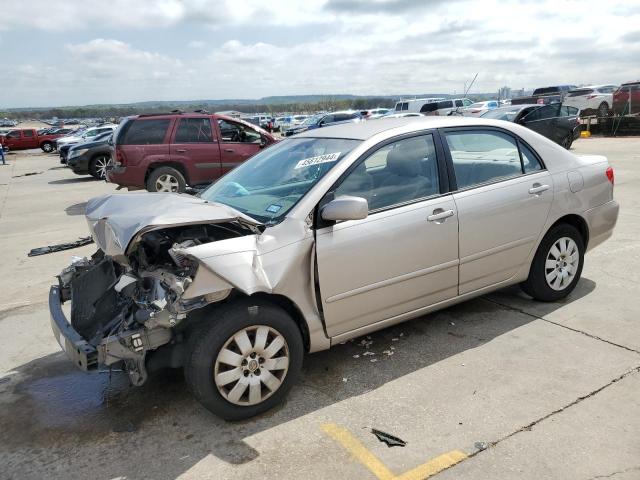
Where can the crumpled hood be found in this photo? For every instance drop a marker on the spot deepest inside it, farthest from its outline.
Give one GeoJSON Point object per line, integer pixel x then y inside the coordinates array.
{"type": "Point", "coordinates": [115, 220]}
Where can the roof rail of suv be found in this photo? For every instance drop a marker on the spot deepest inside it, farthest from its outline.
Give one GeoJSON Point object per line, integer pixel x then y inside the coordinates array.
{"type": "Point", "coordinates": [172, 112]}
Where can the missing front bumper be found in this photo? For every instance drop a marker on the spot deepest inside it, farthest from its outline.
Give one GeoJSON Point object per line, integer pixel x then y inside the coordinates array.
{"type": "Point", "coordinates": [82, 354]}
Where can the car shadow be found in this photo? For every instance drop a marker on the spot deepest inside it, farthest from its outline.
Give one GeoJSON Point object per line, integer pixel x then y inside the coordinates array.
{"type": "Point", "coordinates": [64, 181]}
{"type": "Point", "coordinates": [47, 406]}
{"type": "Point", "coordinates": [76, 209]}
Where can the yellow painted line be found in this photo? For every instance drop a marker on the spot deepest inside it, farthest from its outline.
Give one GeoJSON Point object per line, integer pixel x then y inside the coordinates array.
{"type": "Point", "coordinates": [379, 469]}
{"type": "Point", "coordinates": [359, 451]}
{"type": "Point", "coordinates": [434, 466]}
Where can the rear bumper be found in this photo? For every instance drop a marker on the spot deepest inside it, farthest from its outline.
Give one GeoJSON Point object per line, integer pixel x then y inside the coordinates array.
{"type": "Point", "coordinates": [83, 355]}
{"type": "Point", "coordinates": [127, 176]}
{"type": "Point", "coordinates": [601, 221]}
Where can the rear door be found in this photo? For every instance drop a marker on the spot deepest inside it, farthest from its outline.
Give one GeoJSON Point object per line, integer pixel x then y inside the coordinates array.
{"type": "Point", "coordinates": [194, 146]}
{"type": "Point", "coordinates": [238, 142]}
{"type": "Point", "coordinates": [29, 139]}
{"type": "Point", "coordinates": [503, 198]}
{"type": "Point", "coordinates": [545, 121]}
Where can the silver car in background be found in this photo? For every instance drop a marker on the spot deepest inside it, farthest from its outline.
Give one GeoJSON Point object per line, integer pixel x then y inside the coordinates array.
{"type": "Point", "coordinates": [323, 237]}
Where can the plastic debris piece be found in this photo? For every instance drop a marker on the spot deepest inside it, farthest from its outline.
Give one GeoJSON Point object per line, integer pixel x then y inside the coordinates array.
{"type": "Point", "coordinates": [344, 379]}
{"type": "Point", "coordinates": [368, 353]}
{"type": "Point", "coordinates": [59, 247]}
{"type": "Point", "coordinates": [451, 323]}
{"type": "Point", "coordinates": [394, 339]}
{"type": "Point", "coordinates": [481, 445]}
{"type": "Point", "coordinates": [356, 356]}
{"type": "Point", "coordinates": [401, 335]}
{"type": "Point", "coordinates": [388, 439]}
{"type": "Point", "coordinates": [373, 360]}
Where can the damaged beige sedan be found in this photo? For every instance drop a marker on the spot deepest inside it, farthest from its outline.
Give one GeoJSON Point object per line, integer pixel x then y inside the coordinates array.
{"type": "Point", "coordinates": [323, 237]}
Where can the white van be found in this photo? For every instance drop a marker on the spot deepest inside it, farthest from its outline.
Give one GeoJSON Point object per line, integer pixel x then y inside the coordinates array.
{"type": "Point", "coordinates": [414, 105]}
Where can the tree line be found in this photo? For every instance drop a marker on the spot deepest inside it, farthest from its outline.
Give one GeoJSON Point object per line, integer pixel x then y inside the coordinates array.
{"type": "Point", "coordinates": [111, 111]}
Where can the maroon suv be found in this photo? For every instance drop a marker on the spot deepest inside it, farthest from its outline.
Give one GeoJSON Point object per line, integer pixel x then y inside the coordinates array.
{"type": "Point", "coordinates": [165, 153]}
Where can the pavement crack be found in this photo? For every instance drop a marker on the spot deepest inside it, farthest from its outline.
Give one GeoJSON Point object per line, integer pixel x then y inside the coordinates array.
{"type": "Point", "coordinates": [578, 400]}
{"type": "Point", "coordinates": [626, 470]}
{"type": "Point", "coordinates": [595, 337]}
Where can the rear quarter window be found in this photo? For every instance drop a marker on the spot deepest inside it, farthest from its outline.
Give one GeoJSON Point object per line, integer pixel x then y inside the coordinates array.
{"type": "Point", "coordinates": [144, 132]}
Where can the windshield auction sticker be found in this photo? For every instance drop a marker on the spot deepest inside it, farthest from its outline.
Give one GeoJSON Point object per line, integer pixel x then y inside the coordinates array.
{"type": "Point", "coordinates": [308, 162]}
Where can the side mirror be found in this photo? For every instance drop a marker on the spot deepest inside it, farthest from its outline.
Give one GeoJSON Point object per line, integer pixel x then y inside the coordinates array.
{"type": "Point", "coordinates": [345, 208]}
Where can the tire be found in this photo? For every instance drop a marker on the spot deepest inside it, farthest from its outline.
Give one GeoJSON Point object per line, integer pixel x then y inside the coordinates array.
{"type": "Point", "coordinates": [166, 179]}
{"type": "Point", "coordinates": [212, 338]}
{"type": "Point", "coordinates": [567, 141]}
{"type": "Point", "coordinates": [542, 284]}
{"type": "Point", "coordinates": [98, 167]}
{"type": "Point", "coordinates": [47, 147]}
{"type": "Point", "coordinates": [603, 110]}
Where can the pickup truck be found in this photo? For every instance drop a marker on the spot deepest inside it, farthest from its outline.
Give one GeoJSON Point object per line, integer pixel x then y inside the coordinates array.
{"type": "Point", "coordinates": [545, 95]}
{"type": "Point", "coordinates": [28, 138]}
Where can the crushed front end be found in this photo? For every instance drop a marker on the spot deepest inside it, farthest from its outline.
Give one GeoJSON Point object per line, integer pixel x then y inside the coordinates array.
{"type": "Point", "coordinates": [130, 303]}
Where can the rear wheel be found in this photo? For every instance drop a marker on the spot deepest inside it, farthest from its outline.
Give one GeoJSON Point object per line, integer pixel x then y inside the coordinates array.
{"type": "Point", "coordinates": [244, 361]}
{"type": "Point", "coordinates": [166, 179]}
{"type": "Point", "coordinates": [557, 264]}
{"type": "Point", "coordinates": [47, 147]}
{"type": "Point", "coordinates": [567, 141]}
{"type": "Point", "coordinates": [98, 167]}
{"type": "Point", "coordinates": [603, 110]}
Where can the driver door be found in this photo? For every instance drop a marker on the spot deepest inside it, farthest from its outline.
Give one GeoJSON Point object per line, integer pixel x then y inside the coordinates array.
{"type": "Point", "coordinates": [404, 255]}
{"type": "Point", "coordinates": [238, 142]}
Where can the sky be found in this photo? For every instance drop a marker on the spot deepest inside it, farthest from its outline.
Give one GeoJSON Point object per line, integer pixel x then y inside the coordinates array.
{"type": "Point", "coordinates": [119, 51]}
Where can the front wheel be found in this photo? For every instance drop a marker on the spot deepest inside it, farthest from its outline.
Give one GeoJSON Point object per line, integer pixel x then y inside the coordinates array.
{"type": "Point", "coordinates": [557, 264]}
{"type": "Point", "coordinates": [603, 110]}
{"type": "Point", "coordinates": [47, 147]}
{"type": "Point", "coordinates": [567, 141]}
{"type": "Point", "coordinates": [98, 167]}
{"type": "Point", "coordinates": [245, 360]}
{"type": "Point", "coordinates": [166, 179]}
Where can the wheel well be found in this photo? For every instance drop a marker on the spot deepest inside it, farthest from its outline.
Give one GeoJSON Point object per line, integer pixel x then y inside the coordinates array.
{"type": "Point", "coordinates": [45, 141]}
{"type": "Point", "coordinates": [579, 223]}
{"type": "Point", "coordinates": [177, 166]}
{"type": "Point", "coordinates": [292, 309]}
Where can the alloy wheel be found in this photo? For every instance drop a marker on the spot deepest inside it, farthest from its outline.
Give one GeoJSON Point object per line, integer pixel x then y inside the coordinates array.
{"type": "Point", "coordinates": [251, 365]}
{"type": "Point", "coordinates": [167, 183]}
{"type": "Point", "coordinates": [101, 167]}
{"type": "Point", "coordinates": [562, 263]}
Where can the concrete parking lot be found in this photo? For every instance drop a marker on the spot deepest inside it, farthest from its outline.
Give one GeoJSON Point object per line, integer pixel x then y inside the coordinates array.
{"type": "Point", "coordinates": [500, 387]}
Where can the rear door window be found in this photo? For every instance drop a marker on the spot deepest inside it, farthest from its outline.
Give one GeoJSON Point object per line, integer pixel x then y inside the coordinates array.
{"type": "Point", "coordinates": [194, 130]}
{"type": "Point", "coordinates": [146, 132]}
{"type": "Point", "coordinates": [483, 157]}
{"type": "Point", "coordinates": [458, 103]}
{"type": "Point", "coordinates": [445, 104]}
{"type": "Point", "coordinates": [544, 113]}
{"type": "Point", "coordinates": [27, 133]}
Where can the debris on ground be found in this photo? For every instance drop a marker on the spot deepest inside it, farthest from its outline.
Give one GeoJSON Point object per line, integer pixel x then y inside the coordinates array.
{"type": "Point", "coordinates": [395, 339]}
{"type": "Point", "coordinates": [373, 360]}
{"type": "Point", "coordinates": [368, 353]}
{"type": "Point", "coordinates": [388, 352]}
{"type": "Point", "coordinates": [28, 174]}
{"type": "Point", "coordinates": [390, 440]}
{"type": "Point", "coordinates": [81, 242]}
{"type": "Point", "coordinates": [481, 445]}
{"type": "Point", "coordinates": [344, 379]}
{"type": "Point", "coordinates": [356, 356]}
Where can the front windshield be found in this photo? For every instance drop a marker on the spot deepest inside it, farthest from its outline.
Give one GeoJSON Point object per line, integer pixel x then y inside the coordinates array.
{"type": "Point", "coordinates": [268, 185]}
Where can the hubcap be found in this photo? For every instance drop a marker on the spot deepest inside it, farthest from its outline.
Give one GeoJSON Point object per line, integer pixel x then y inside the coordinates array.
{"type": "Point", "coordinates": [47, 147]}
{"type": "Point", "coordinates": [167, 183]}
{"type": "Point", "coordinates": [562, 263]}
{"type": "Point", "coordinates": [251, 365]}
{"type": "Point", "coordinates": [101, 166]}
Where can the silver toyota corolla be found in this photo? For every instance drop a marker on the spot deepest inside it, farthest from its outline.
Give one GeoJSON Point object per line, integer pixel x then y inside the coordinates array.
{"type": "Point", "coordinates": [323, 237]}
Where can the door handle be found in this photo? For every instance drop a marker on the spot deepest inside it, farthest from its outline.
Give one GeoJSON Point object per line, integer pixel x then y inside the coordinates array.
{"type": "Point", "coordinates": [440, 214]}
{"type": "Point", "coordinates": [181, 150]}
{"type": "Point", "coordinates": [229, 150]}
{"type": "Point", "coordinates": [537, 189]}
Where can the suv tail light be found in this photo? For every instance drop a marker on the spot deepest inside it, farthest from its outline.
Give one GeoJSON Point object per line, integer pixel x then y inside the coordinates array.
{"type": "Point", "coordinates": [120, 160]}
{"type": "Point", "coordinates": [610, 175]}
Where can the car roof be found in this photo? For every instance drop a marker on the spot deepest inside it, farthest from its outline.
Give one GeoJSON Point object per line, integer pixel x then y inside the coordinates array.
{"type": "Point", "coordinates": [367, 129]}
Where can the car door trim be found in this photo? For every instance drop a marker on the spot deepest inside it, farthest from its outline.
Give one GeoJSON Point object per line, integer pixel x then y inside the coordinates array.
{"type": "Point", "coordinates": [393, 280]}
{"type": "Point", "coordinates": [498, 249]}
{"type": "Point", "coordinates": [207, 165]}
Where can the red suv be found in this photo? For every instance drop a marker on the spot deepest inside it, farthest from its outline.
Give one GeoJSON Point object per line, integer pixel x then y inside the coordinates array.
{"type": "Point", "coordinates": [167, 152]}
{"type": "Point", "coordinates": [626, 99]}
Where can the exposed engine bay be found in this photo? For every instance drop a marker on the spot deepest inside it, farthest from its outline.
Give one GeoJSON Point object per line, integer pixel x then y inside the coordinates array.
{"type": "Point", "coordinates": [129, 307]}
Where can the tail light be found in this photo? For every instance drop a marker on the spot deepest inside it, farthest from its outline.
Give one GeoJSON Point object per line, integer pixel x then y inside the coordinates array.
{"type": "Point", "coordinates": [120, 160]}
{"type": "Point", "coordinates": [610, 175]}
